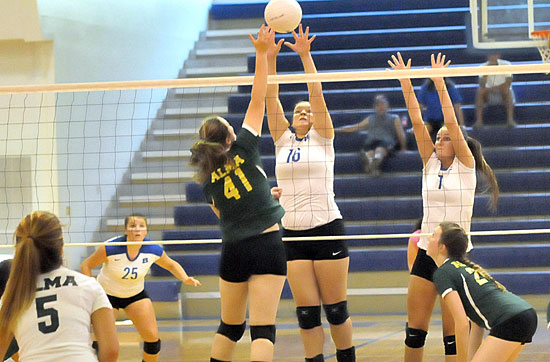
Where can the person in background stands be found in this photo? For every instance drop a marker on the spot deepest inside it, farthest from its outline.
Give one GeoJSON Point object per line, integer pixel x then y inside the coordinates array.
{"type": "Point", "coordinates": [495, 88]}
{"type": "Point", "coordinates": [385, 135]}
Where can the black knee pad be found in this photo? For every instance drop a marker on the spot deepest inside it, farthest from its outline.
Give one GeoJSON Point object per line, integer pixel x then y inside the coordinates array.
{"type": "Point", "coordinates": [232, 331]}
{"type": "Point", "coordinates": [318, 358]}
{"type": "Point", "coordinates": [415, 338]}
{"type": "Point", "coordinates": [267, 332]}
{"type": "Point", "coordinates": [336, 313]}
{"type": "Point", "coordinates": [450, 345]}
{"type": "Point", "coordinates": [309, 317]}
{"type": "Point", "coordinates": [217, 360]}
{"type": "Point", "coordinates": [151, 347]}
{"type": "Point", "coordinates": [346, 355]}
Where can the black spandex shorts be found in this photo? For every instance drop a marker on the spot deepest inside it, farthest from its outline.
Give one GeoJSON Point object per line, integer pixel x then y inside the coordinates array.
{"type": "Point", "coordinates": [258, 254]}
{"type": "Point", "coordinates": [317, 250]}
{"type": "Point", "coordinates": [424, 266]}
{"type": "Point", "coordinates": [519, 328]}
{"type": "Point", "coordinates": [121, 303]}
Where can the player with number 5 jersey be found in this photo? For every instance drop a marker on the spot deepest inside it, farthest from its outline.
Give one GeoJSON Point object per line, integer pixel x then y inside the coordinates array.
{"type": "Point", "coordinates": [48, 308]}
{"type": "Point", "coordinates": [123, 278]}
{"type": "Point", "coordinates": [252, 264]}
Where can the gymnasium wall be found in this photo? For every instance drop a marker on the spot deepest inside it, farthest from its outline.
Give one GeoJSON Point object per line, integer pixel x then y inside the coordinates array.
{"type": "Point", "coordinates": [90, 41]}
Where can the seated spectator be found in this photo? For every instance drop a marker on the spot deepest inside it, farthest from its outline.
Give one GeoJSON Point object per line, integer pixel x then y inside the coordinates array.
{"type": "Point", "coordinates": [385, 132]}
{"type": "Point", "coordinates": [431, 106]}
{"type": "Point", "coordinates": [495, 89]}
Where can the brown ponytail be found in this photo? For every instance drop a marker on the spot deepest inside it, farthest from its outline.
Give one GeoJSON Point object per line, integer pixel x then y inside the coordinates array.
{"type": "Point", "coordinates": [456, 241]}
{"type": "Point", "coordinates": [38, 249]}
{"type": "Point", "coordinates": [210, 152]}
{"type": "Point", "coordinates": [486, 170]}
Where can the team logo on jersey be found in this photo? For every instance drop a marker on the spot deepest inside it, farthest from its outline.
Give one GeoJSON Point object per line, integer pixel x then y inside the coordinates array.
{"type": "Point", "coordinates": [145, 260]}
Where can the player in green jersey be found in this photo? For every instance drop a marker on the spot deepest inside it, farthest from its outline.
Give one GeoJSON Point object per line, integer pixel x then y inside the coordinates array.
{"type": "Point", "coordinates": [253, 262]}
{"type": "Point", "coordinates": [473, 295]}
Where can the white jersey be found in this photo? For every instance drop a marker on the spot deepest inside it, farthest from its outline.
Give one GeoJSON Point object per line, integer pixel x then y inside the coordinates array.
{"type": "Point", "coordinates": [122, 277]}
{"type": "Point", "coordinates": [305, 171]}
{"type": "Point", "coordinates": [497, 79]}
{"type": "Point", "coordinates": [447, 195]}
{"type": "Point", "coordinates": [56, 327]}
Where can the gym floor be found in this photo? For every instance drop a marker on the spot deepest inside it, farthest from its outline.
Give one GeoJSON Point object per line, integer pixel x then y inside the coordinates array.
{"type": "Point", "coordinates": [377, 338]}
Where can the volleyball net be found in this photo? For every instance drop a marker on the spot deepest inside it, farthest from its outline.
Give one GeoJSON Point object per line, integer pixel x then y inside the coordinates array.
{"type": "Point", "coordinates": [94, 153]}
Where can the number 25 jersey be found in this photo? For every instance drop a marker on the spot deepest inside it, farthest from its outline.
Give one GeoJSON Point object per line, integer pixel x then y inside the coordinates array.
{"type": "Point", "coordinates": [123, 277]}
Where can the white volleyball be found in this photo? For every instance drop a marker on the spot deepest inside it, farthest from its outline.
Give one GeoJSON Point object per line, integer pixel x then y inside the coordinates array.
{"type": "Point", "coordinates": [283, 16]}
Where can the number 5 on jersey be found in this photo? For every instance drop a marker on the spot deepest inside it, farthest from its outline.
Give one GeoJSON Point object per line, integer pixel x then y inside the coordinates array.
{"type": "Point", "coordinates": [230, 191]}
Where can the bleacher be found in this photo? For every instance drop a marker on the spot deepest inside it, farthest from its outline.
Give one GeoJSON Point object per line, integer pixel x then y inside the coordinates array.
{"type": "Point", "coordinates": [358, 35]}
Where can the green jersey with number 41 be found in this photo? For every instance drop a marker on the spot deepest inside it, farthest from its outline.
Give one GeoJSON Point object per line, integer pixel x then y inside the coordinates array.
{"type": "Point", "coordinates": [484, 303]}
{"type": "Point", "coordinates": [241, 191]}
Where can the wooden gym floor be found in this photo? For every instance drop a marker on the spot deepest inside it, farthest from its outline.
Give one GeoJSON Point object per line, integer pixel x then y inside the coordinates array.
{"type": "Point", "coordinates": [377, 338]}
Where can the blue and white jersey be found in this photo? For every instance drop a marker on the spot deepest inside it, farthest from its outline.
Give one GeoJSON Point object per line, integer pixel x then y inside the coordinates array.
{"type": "Point", "coordinates": [123, 277]}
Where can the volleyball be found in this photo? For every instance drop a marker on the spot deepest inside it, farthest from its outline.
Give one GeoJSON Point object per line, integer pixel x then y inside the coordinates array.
{"type": "Point", "coordinates": [283, 16]}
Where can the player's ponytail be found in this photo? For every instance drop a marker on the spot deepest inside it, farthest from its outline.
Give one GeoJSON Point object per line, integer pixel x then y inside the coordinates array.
{"type": "Point", "coordinates": [210, 152]}
{"type": "Point", "coordinates": [486, 170]}
{"type": "Point", "coordinates": [38, 249]}
{"type": "Point", "coordinates": [456, 241]}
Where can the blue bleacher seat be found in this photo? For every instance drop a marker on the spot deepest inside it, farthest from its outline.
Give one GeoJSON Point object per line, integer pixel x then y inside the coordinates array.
{"type": "Point", "coordinates": [163, 290]}
{"type": "Point", "coordinates": [256, 10]}
{"type": "Point", "coordinates": [362, 35]}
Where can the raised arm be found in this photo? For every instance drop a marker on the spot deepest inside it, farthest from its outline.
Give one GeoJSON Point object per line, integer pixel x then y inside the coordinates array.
{"type": "Point", "coordinates": [423, 140]}
{"type": "Point", "coordinates": [275, 113]}
{"type": "Point", "coordinates": [256, 108]}
{"type": "Point", "coordinates": [460, 145]}
{"type": "Point", "coordinates": [321, 117]}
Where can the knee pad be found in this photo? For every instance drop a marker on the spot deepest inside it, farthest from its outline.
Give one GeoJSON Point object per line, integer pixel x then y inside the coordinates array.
{"type": "Point", "coordinates": [309, 317]}
{"type": "Point", "coordinates": [336, 313]}
{"type": "Point", "coordinates": [267, 332]}
{"type": "Point", "coordinates": [217, 360]}
{"type": "Point", "coordinates": [346, 355]}
{"type": "Point", "coordinates": [232, 331]}
{"type": "Point", "coordinates": [151, 347]}
{"type": "Point", "coordinates": [318, 358]}
{"type": "Point", "coordinates": [415, 338]}
{"type": "Point", "coordinates": [450, 345]}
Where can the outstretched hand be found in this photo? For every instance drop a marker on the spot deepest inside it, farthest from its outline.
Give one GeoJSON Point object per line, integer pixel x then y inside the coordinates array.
{"type": "Point", "coordinates": [266, 36]}
{"type": "Point", "coordinates": [439, 62]}
{"type": "Point", "coordinates": [192, 281]}
{"type": "Point", "coordinates": [397, 63]}
{"type": "Point", "coordinates": [302, 42]}
{"type": "Point", "coordinates": [274, 48]}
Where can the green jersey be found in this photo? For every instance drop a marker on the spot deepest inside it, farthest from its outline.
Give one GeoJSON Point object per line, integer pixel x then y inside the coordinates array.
{"type": "Point", "coordinates": [484, 303]}
{"type": "Point", "coordinates": [241, 191]}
